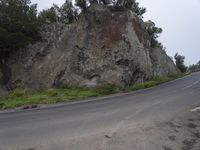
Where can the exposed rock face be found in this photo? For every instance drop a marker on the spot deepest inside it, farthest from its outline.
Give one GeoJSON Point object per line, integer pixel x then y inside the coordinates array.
{"type": "Point", "coordinates": [103, 47]}
{"type": "Point", "coordinates": [162, 64]}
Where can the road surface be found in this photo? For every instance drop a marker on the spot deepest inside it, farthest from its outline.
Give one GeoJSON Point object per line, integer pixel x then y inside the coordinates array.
{"type": "Point", "coordinates": [82, 125]}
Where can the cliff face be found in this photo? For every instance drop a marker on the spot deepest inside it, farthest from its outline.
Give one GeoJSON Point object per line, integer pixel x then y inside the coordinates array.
{"type": "Point", "coordinates": [103, 47]}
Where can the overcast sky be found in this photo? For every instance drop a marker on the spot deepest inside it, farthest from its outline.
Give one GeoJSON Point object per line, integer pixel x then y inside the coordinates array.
{"type": "Point", "coordinates": [180, 20]}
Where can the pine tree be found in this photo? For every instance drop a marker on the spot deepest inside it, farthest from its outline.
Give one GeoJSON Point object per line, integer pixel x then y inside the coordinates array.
{"type": "Point", "coordinates": [18, 25]}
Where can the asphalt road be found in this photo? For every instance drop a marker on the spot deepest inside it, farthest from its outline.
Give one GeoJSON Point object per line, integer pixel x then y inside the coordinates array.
{"type": "Point", "coordinates": [50, 125]}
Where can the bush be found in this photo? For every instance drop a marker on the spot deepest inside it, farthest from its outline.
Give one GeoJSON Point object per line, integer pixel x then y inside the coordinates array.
{"type": "Point", "coordinates": [17, 93]}
{"type": "Point", "coordinates": [52, 92]}
{"type": "Point", "coordinates": [2, 104]}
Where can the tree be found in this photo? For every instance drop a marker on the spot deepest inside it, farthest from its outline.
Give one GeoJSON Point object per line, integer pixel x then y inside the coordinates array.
{"type": "Point", "coordinates": [131, 5]}
{"type": "Point", "coordinates": [93, 1]}
{"type": "Point", "coordinates": [180, 62]}
{"type": "Point", "coordinates": [195, 67]}
{"type": "Point", "coordinates": [105, 2]}
{"type": "Point", "coordinates": [48, 16]}
{"type": "Point", "coordinates": [82, 4]}
{"type": "Point", "coordinates": [18, 25]}
{"type": "Point", "coordinates": [137, 9]}
{"type": "Point", "coordinates": [67, 13]}
{"type": "Point", "coordinates": [127, 4]}
{"type": "Point", "coordinates": [153, 32]}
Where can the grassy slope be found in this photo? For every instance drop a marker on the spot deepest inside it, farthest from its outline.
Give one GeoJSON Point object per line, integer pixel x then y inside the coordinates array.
{"type": "Point", "coordinates": [155, 81]}
{"type": "Point", "coordinates": [19, 98]}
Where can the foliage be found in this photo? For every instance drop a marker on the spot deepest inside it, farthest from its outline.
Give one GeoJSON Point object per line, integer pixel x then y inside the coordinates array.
{"type": "Point", "coordinates": [82, 4]}
{"type": "Point", "coordinates": [153, 32]}
{"type": "Point", "coordinates": [105, 2]}
{"type": "Point", "coordinates": [18, 25]}
{"type": "Point", "coordinates": [194, 67]}
{"type": "Point", "coordinates": [67, 13]}
{"type": "Point", "coordinates": [130, 5]}
{"type": "Point", "coordinates": [118, 4]}
{"type": "Point", "coordinates": [48, 16]}
{"type": "Point", "coordinates": [137, 9]}
{"type": "Point", "coordinates": [180, 62]}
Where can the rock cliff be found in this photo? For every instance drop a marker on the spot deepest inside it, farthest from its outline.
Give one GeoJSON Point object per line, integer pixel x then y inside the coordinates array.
{"type": "Point", "coordinates": [102, 47]}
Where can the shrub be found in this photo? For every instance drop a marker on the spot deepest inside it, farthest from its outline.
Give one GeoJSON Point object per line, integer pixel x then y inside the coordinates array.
{"type": "Point", "coordinates": [17, 93]}
{"type": "Point", "coordinates": [106, 89]}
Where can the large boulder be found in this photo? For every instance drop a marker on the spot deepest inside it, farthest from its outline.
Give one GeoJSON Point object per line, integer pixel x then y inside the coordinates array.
{"type": "Point", "coordinates": [103, 47]}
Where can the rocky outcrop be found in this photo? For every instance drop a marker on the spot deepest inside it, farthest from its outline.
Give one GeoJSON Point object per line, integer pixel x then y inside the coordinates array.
{"type": "Point", "coordinates": [162, 64]}
{"type": "Point", "coordinates": [103, 47]}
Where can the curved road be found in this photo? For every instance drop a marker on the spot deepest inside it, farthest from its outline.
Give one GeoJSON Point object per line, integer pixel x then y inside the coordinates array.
{"type": "Point", "coordinates": [28, 130]}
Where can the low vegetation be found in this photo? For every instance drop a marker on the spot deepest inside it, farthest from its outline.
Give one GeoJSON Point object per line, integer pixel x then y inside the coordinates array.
{"type": "Point", "coordinates": [19, 98]}
{"type": "Point", "coordinates": [154, 81]}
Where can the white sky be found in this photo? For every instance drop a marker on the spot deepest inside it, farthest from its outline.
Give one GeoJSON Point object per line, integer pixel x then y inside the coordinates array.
{"type": "Point", "coordinates": [180, 20]}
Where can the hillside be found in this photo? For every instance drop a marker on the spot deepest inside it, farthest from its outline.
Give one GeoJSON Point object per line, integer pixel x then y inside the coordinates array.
{"type": "Point", "coordinates": [103, 47]}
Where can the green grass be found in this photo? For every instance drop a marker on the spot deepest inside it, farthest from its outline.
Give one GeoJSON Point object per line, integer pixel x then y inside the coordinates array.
{"type": "Point", "coordinates": [154, 81]}
{"type": "Point", "coordinates": [19, 97]}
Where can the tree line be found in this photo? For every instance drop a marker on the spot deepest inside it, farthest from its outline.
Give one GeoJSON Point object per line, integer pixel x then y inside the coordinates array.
{"type": "Point", "coordinates": [195, 67]}
{"type": "Point", "coordinates": [180, 63]}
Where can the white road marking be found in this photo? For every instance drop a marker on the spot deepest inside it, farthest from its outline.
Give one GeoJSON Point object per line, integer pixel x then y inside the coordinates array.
{"type": "Point", "coordinates": [188, 86]}
{"type": "Point", "coordinates": [191, 84]}
{"type": "Point", "coordinates": [196, 109]}
{"type": "Point", "coordinates": [196, 82]}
